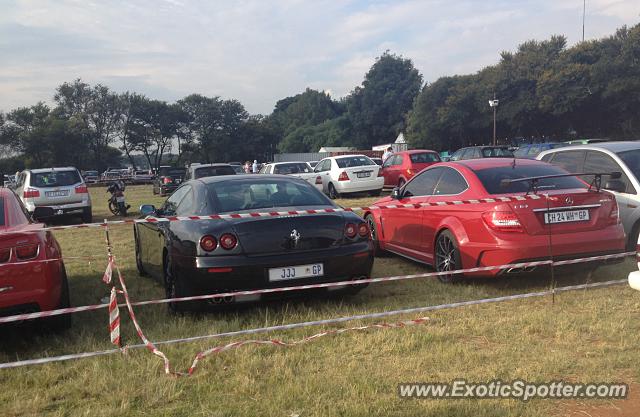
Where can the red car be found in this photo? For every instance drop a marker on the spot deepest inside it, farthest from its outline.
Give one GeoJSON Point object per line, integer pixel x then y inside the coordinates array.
{"type": "Point", "coordinates": [582, 221]}
{"type": "Point", "coordinates": [400, 167]}
{"type": "Point", "coordinates": [30, 287]}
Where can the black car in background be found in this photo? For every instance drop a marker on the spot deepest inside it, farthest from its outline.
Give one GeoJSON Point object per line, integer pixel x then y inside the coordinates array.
{"type": "Point", "coordinates": [210, 256]}
{"type": "Point", "coordinates": [168, 179]}
{"type": "Point", "coordinates": [476, 152]}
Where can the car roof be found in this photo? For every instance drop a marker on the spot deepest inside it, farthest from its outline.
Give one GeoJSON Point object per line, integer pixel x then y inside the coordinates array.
{"type": "Point", "coordinates": [217, 164]}
{"type": "Point", "coordinates": [620, 146]}
{"type": "Point", "coordinates": [287, 162]}
{"type": "Point", "coordinates": [39, 170]}
{"type": "Point", "coordinates": [483, 163]}
{"type": "Point", "coordinates": [247, 178]}
{"type": "Point", "coordinates": [412, 151]}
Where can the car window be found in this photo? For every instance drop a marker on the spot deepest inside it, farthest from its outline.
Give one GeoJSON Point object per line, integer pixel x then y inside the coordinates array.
{"type": "Point", "coordinates": [534, 150]}
{"type": "Point", "coordinates": [291, 168]}
{"type": "Point", "coordinates": [354, 161]}
{"type": "Point", "coordinates": [422, 184]}
{"type": "Point", "coordinates": [601, 162]}
{"type": "Point", "coordinates": [548, 157]}
{"type": "Point", "coordinates": [523, 151]}
{"type": "Point", "coordinates": [491, 178]}
{"type": "Point", "coordinates": [322, 166]}
{"type": "Point", "coordinates": [264, 169]}
{"type": "Point", "coordinates": [632, 160]}
{"type": "Point", "coordinates": [55, 179]}
{"type": "Point", "coordinates": [571, 161]}
{"type": "Point", "coordinates": [450, 183]}
{"type": "Point", "coordinates": [424, 157]}
{"type": "Point", "coordinates": [171, 205]}
{"type": "Point", "coordinates": [173, 172]}
{"type": "Point", "coordinates": [185, 205]}
{"type": "Point", "coordinates": [389, 161]}
{"type": "Point", "coordinates": [213, 171]}
{"type": "Point", "coordinates": [496, 152]}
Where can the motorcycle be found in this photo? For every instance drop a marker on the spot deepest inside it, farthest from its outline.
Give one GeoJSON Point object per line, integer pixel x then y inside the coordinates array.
{"type": "Point", "coordinates": [117, 204]}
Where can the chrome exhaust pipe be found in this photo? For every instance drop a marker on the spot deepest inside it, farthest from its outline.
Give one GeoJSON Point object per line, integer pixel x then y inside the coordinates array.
{"type": "Point", "coordinates": [228, 299]}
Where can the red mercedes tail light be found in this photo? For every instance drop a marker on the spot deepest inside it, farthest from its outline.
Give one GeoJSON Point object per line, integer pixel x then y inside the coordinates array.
{"type": "Point", "coordinates": [228, 241]}
{"type": "Point", "coordinates": [350, 230]}
{"type": "Point", "coordinates": [167, 180]}
{"type": "Point", "coordinates": [5, 254]}
{"type": "Point", "coordinates": [208, 243]}
{"type": "Point", "coordinates": [503, 221]}
{"type": "Point", "coordinates": [81, 189]}
{"type": "Point", "coordinates": [363, 230]}
{"type": "Point", "coordinates": [343, 176]}
{"type": "Point", "coordinates": [31, 193]}
{"type": "Point", "coordinates": [27, 251]}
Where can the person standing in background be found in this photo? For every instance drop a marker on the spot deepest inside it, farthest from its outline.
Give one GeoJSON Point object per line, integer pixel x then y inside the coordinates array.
{"type": "Point", "coordinates": [247, 167]}
{"type": "Point", "coordinates": [255, 166]}
{"type": "Point", "coordinates": [387, 153]}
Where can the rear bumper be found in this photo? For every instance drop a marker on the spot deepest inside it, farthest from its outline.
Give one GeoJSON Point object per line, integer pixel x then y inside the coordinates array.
{"type": "Point", "coordinates": [249, 273]}
{"type": "Point", "coordinates": [535, 248]}
{"type": "Point", "coordinates": [360, 186]}
{"type": "Point", "coordinates": [61, 209]}
{"type": "Point", "coordinates": [22, 287]}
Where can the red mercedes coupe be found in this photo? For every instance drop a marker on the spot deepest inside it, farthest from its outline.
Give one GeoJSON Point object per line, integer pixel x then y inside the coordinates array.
{"type": "Point", "coordinates": [578, 219]}
{"type": "Point", "coordinates": [32, 274]}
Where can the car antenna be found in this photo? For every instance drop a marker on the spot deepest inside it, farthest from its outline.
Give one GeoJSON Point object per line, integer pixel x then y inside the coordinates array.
{"type": "Point", "coordinates": [513, 164]}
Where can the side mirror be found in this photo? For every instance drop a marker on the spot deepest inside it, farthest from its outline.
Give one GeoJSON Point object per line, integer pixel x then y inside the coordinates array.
{"type": "Point", "coordinates": [615, 185]}
{"type": "Point", "coordinates": [395, 193]}
{"type": "Point", "coordinates": [42, 213]}
{"type": "Point", "coordinates": [148, 210]}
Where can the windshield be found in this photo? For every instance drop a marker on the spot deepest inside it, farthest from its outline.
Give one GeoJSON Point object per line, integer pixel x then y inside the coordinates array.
{"type": "Point", "coordinates": [213, 171]}
{"type": "Point", "coordinates": [55, 179]}
{"type": "Point", "coordinates": [173, 172]}
{"type": "Point", "coordinates": [497, 153]}
{"type": "Point", "coordinates": [354, 161]}
{"type": "Point", "coordinates": [293, 168]}
{"type": "Point", "coordinates": [491, 179]}
{"type": "Point", "coordinates": [425, 157]}
{"type": "Point", "coordinates": [632, 161]}
{"type": "Point", "coordinates": [230, 196]}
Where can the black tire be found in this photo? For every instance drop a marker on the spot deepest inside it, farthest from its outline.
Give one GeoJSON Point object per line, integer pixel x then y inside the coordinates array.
{"type": "Point", "coordinates": [87, 215]}
{"type": "Point", "coordinates": [139, 265]}
{"type": "Point", "coordinates": [333, 194]}
{"type": "Point", "coordinates": [60, 322]}
{"type": "Point", "coordinates": [175, 287]}
{"type": "Point", "coordinates": [113, 208]}
{"type": "Point", "coordinates": [447, 256]}
{"type": "Point", "coordinates": [375, 193]}
{"type": "Point", "coordinates": [401, 183]}
{"type": "Point", "coordinates": [374, 235]}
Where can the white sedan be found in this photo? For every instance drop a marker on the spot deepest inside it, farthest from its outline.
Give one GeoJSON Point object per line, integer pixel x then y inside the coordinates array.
{"type": "Point", "coordinates": [346, 174]}
{"type": "Point", "coordinates": [634, 277]}
{"type": "Point", "coordinates": [296, 169]}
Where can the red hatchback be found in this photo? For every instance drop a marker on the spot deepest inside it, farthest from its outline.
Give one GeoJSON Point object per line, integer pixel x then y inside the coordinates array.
{"type": "Point", "coordinates": [400, 167]}
{"type": "Point", "coordinates": [581, 221]}
{"type": "Point", "coordinates": [27, 286]}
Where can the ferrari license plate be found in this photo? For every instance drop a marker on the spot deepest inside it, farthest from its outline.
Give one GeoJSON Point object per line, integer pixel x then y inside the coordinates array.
{"type": "Point", "coordinates": [566, 216]}
{"type": "Point", "coordinates": [363, 174]}
{"type": "Point", "coordinates": [294, 272]}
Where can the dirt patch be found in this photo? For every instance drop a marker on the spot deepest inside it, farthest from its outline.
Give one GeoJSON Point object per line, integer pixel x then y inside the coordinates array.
{"type": "Point", "coordinates": [603, 408]}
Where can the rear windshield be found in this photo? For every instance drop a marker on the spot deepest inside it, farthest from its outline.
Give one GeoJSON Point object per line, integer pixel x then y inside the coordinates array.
{"type": "Point", "coordinates": [173, 172]}
{"type": "Point", "coordinates": [295, 168]}
{"type": "Point", "coordinates": [230, 196]}
{"type": "Point", "coordinates": [632, 161]}
{"type": "Point", "coordinates": [213, 171]}
{"type": "Point", "coordinates": [497, 153]}
{"type": "Point", "coordinates": [423, 158]}
{"type": "Point", "coordinates": [55, 178]}
{"type": "Point", "coordinates": [491, 179]}
{"type": "Point", "coordinates": [354, 161]}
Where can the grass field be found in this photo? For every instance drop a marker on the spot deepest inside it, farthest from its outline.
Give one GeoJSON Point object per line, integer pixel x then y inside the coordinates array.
{"type": "Point", "coordinates": [584, 336]}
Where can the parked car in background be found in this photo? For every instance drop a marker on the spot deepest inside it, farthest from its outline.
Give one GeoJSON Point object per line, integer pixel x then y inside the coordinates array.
{"type": "Point", "coordinates": [530, 151]}
{"type": "Point", "coordinates": [623, 157]}
{"type": "Point", "coordinates": [378, 161]}
{"type": "Point", "coordinates": [312, 164]}
{"type": "Point", "coordinates": [91, 176]}
{"type": "Point", "coordinates": [476, 152]}
{"type": "Point", "coordinates": [111, 176]}
{"type": "Point", "coordinates": [196, 171]}
{"type": "Point", "coordinates": [580, 223]}
{"type": "Point", "coordinates": [296, 169]}
{"type": "Point", "coordinates": [208, 256]}
{"type": "Point", "coordinates": [9, 181]}
{"type": "Point", "coordinates": [400, 167]}
{"type": "Point", "coordinates": [61, 189]}
{"type": "Point", "coordinates": [585, 141]}
{"type": "Point", "coordinates": [28, 288]}
{"type": "Point", "coordinates": [168, 179]}
{"type": "Point", "coordinates": [634, 276]}
{"type": "Point", "coordinates": [339, 175]}
{"type": "Point", "coordinates": [238, 168]}
{"type": "Point", "coordinates": [141, 177]}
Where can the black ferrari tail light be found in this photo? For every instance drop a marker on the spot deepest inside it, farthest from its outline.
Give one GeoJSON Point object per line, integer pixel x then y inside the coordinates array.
{"type": "Point", "coordinates": [208, 243]}
{"type": "Point", "coordinates": [363, 230]}
{"type": "Point", "coordinates": [350, 230]}
{"type": "Point", "coordinates": [228, 241]}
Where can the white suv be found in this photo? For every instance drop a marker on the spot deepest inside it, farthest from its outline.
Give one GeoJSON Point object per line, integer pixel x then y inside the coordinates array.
{"type": "Point", "coordinates": [61, 189]}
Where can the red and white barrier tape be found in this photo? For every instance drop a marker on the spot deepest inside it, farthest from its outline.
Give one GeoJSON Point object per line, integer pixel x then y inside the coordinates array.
{"type": "Point", "coordinates": [42, 261]}
{"type": "Point", "coordinates": [108, 272]}
{"type": "Point", "coordinates": [291, 326]}
{"type": "Point", "coordinates": [150, 219]}
{"type": "Point", "coordinates": [114, 318]}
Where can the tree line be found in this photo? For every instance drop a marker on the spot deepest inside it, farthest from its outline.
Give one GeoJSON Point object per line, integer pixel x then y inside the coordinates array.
{"type": "Point", "coordinates": [545, 89]}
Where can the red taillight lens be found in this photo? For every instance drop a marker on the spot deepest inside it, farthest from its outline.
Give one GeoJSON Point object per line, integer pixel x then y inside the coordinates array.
{"type": "Point", "coordinates": [167, 180]}
{"type": "Point", "coordinates": [410, 172]}
{"type": "Point", "coordinates": [31, 193]}
{"type": "Point", "coordinates": [351, 230]}
{"type": "Point", "coordinates": [503, 221]}
{"type": "Point", "coordinates": [27, 251]}
{"type": "Point", "coordinates": [318, 180]}
{"type": "Point", "coordinates": [5, 254]}
{"type": "Point", "coordinates": [81, 189]}
{"type": "Point", "coordinates": [343, 176]}
{"type": "Point", "coordinates": [208, 243]}
{"type": "Point", "coordinates": [614, 214]}
{"type": "Point", "coordinates": [228, 241]}
{"type": "Point", "coordinates": [363, 230]}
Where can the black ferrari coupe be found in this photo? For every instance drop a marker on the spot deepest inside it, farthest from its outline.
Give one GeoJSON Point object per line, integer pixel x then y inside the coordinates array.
{"type": "Point", "coordinates": [198, 257]}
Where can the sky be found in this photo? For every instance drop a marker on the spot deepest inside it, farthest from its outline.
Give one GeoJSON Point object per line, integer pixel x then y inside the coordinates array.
{"type": "Point", "coordinates": [260, 51]}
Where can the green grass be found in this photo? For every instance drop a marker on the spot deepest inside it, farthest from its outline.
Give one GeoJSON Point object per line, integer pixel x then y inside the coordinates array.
{"type": "Point", "coordinates": [584, 336]}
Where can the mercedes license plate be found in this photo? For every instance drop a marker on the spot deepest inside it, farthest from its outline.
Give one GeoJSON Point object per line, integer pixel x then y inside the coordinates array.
{"type": "Point", "coordinates": [566, 216]}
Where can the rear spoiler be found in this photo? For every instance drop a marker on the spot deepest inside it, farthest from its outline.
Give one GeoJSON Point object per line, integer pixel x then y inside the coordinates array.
{"type": "Point", "coordinates": [597, 179]}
